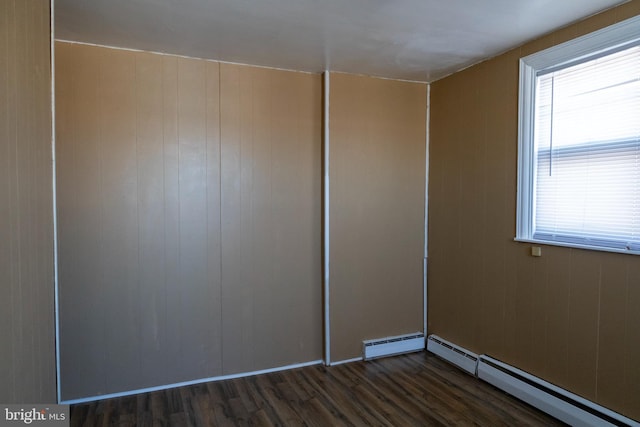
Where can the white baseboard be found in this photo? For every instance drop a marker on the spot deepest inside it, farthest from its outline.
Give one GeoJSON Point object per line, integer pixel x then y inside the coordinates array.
{"type": "Point", "coordinates": [342, 362]}
{"type": "Point", "coordinates": [187, 383]}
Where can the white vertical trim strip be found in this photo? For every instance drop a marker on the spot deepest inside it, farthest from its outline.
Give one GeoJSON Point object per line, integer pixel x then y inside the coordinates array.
{"type": "Point", "coordinates": [54, 199]}
{"type": "Point", "coordinates": [526, 177]}
{"type": "Point", "coordinates": [327, 318]}
{"type": "Point", "coordinates": [426, 210]}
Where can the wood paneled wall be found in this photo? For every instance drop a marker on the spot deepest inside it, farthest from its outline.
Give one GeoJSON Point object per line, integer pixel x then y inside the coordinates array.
{"type": "Point", "coordinates": [27, 334]}
{"type": "Point", "coordinates": [377, 178]}
{"type": "Point", "coordinates": [189, 197]}
{"type": "Point", "coordinates": [571, 316]}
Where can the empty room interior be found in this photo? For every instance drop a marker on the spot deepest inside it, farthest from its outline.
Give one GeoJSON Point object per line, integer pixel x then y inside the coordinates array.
{"type": "Point", "coordinates": [280, 212]}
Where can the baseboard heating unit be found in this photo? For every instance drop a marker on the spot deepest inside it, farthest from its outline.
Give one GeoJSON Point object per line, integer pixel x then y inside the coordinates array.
{"type": "Point", "coordinates": [458, 356]}
{"type": "Point", "coordinates": [555, 401]}
{"type": "Point", "coordinates": [388, 346]}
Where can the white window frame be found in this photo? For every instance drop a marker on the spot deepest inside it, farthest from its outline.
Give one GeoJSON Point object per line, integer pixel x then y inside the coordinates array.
{"type": "Point", "coordinates": [613, 38]}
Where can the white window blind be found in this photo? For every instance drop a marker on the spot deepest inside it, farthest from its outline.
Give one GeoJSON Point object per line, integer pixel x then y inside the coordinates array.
{"type": "Point", "coordinates": [587, 152]}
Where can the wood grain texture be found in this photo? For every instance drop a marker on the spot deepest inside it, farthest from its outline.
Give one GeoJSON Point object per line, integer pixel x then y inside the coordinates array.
{"type": "Point", "coordinates": [377, 167]}
{"type": "Point", "coordinates": [411, 390]}
{"type": "Point", "coordinates": [270, 216]}
{"type": "Point", "coordinates": [566, 316]}
{"type": "Point", "coordinates": [27, 331]}
{"type": "Point", "coordinates": [79, 228]}
{"type": "Point", "coordinates": [189, 219]}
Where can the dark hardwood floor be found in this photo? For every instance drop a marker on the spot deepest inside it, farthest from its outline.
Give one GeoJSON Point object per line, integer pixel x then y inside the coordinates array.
{"type": "Point", "coordinates": [410, 390]}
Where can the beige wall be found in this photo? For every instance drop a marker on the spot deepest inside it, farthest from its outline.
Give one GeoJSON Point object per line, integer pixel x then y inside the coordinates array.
{"type": "Point", "coordinates": [571, 316]}
{"type": "Point", "coordinates": [27, 354]}
{"type": "Point", "coordinates": [377, 176]}
{"type": "Point", "coordinates": [189, 219]}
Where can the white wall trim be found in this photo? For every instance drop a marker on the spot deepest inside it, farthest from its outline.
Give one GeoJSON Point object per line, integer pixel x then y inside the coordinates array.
{"type": "Point", "coordinates": [426, 212]}
{"type": "Point", "coordinates": [576, 245]}
{"type": "Point", "coordinates": [326, 239]}
{"type": "Point", "coordinates": [54, 197]}
{"type": "Point", "coordinates": [342, 362]}
{"type": "Point", "coordinates": [183, 56]}
{"type": "Point", "coordinates": [188, 383]}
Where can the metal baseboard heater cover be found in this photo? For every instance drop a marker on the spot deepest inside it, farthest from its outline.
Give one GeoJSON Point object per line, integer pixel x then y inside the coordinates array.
{"type": "Point", "coordinates": [389, 346]}
{"type": "Point", "coordinates": [555, 401]}
{"type": "Point", "coordinates": [463, 359]}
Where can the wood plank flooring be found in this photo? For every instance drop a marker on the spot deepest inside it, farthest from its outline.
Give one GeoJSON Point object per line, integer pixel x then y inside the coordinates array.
{"type": "Point", "coordinates": [410, 390]}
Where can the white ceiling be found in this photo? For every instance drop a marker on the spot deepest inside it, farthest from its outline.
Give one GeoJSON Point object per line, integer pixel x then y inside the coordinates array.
{"type": "Point", "coordinates": [420, 40]}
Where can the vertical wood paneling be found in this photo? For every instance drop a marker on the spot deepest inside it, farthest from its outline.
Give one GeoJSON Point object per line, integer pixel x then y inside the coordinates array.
{"type": "Point", "coordinates": [213, 352]}
{"type": "Point", "coordinates": [237, 300]}
{"type": "Point", "coordinates": [6, 335]}
{"type": "Point", "coordinates": [439, 275]}
{"type": "Point", "coordinates": [270, 183]}
{"type": "Point", "coordinates": [151, 217]}
{"type": "Point", "coordinates": [27, 355]}
{"type": "Point", "coordinates": [472, 204]}
{"type": "Point", "coordinates": [564, 316]}
{"type": "Point", "coordinates": [181, 258]}
{"type": "Point", "coordinates": [268, 105]}
{"type": "Point", "coordinates": [631, 355]}
{"type": "Point", "coordinates": [296, 210]}
{"type": "Point", "coordinates": [119, 190]}
{"type": "Point", "coordinates": [134, 154]}
{"type": "Point", "coordinates": [492, 312]}
{"type": "Point", "coordinates": [524, 311]}
{"type": "Point", "coordinates": [198, 320]}
{"type": "Point", "coordinates": [377, 210]}
{"type": "Point", "coordinates": [558, 290]}
{"type": "Point", "coordinates": [171, 187]}
{"type": "Point", "coordinates": [612, 374]}
{"type": "Point", "coordinates": [79, 229]}
{"type": "Point", "coordinates": [584, 312]}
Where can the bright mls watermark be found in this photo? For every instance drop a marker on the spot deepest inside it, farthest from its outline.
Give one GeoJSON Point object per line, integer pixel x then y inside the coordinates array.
{"type": "Point", "coordinates": [36, 415]}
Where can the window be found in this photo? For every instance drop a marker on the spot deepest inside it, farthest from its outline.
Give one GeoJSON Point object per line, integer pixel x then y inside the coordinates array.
{"type": "Point", "coordinates": [579, 142]}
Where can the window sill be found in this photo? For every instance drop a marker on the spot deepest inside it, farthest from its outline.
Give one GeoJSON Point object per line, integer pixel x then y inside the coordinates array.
{"type": "Point", "coordinates": [576, 246]}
